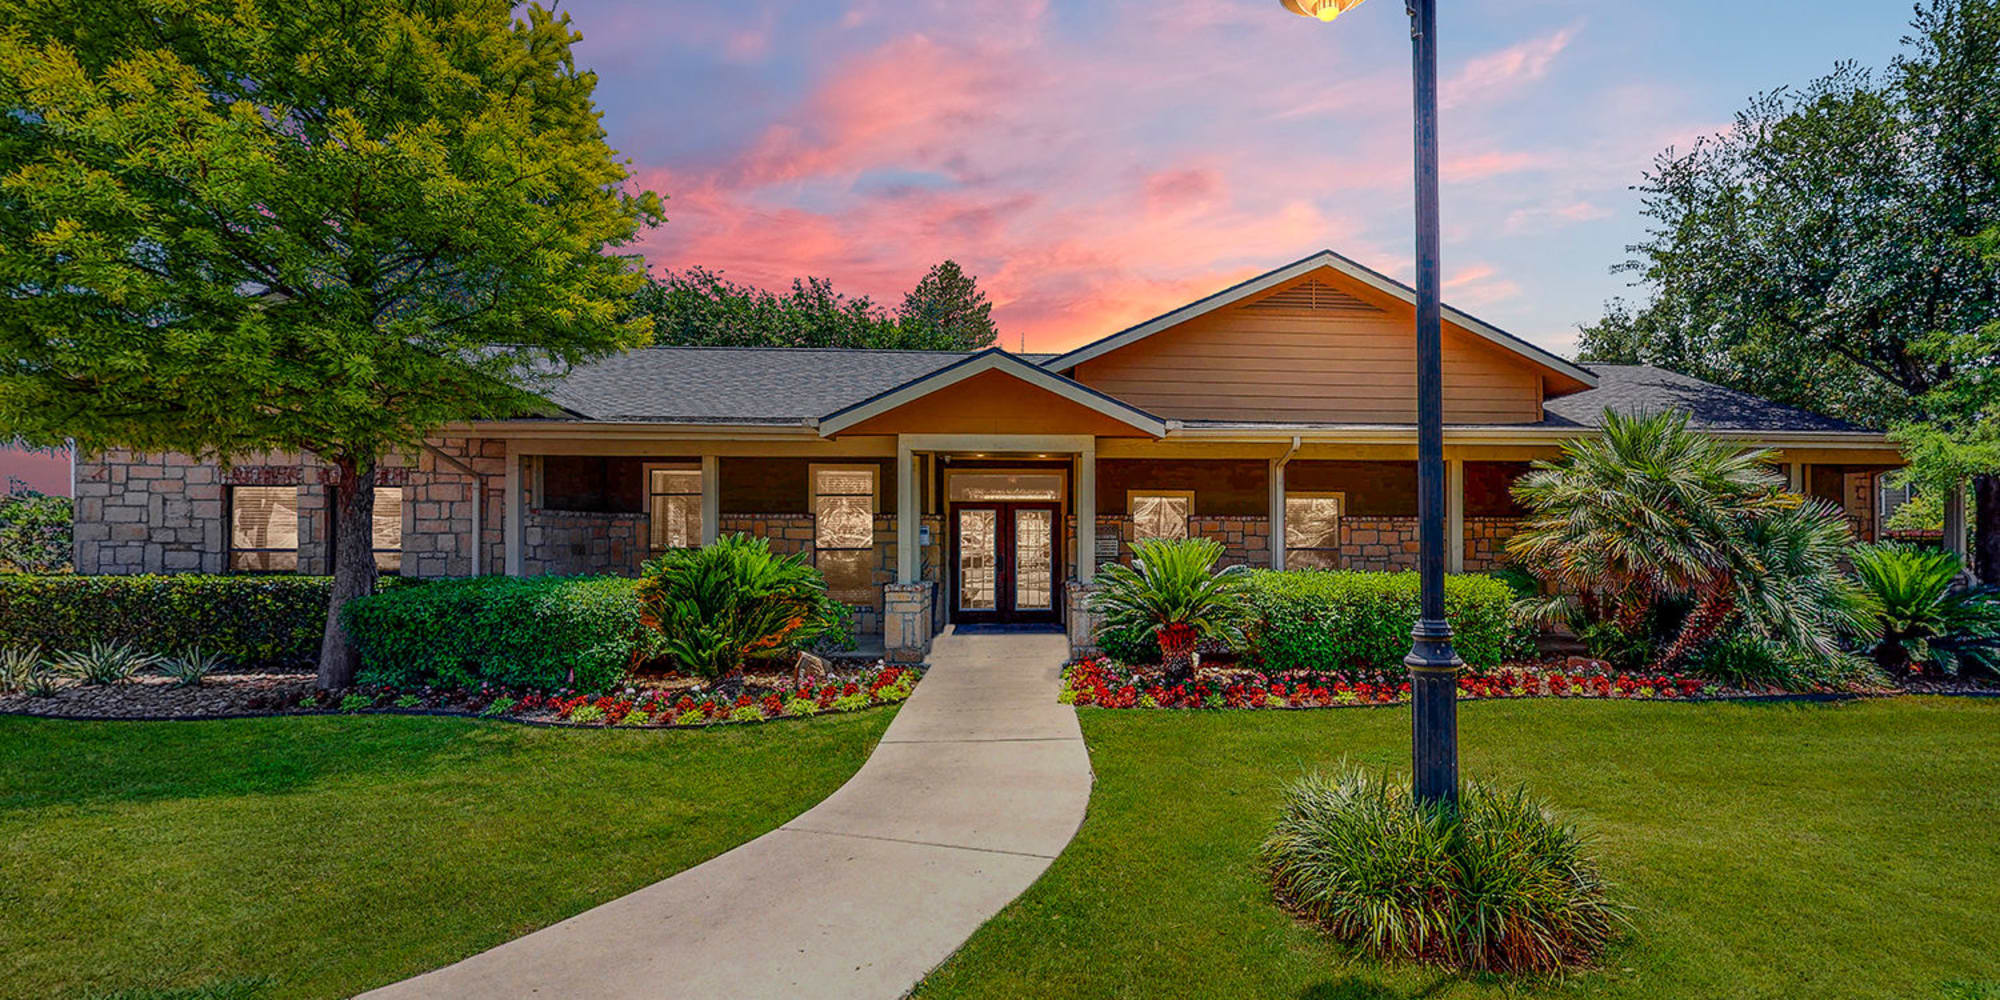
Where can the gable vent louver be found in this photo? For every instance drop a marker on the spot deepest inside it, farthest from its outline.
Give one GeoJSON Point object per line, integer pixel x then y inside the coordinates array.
{"type": "Point", "coordinates": [1311, 297]}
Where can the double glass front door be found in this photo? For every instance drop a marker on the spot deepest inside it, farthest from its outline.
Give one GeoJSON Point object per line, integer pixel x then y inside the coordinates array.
{"type": "Point", "coordinates": [1004, 561]}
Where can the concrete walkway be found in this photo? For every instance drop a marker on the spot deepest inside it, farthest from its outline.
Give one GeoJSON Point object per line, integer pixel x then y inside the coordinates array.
{"type": "Point", "coordinates": [978, 784]}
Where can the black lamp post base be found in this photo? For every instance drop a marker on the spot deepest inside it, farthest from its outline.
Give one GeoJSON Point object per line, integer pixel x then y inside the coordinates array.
{"type": "Point", "coordinates": [1434, 667]}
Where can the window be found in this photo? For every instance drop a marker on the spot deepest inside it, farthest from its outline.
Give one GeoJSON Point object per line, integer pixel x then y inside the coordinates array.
{"type": "Point", "coordinates": [1159, 513]}
{"type": "Point", "coordinates": [264, 529]}
{"type": "Point", "coordinates": [673, 506]}
{"type": "Point", "coordinates": [843, 509]}
{"type": "Point", "coordinates": [1891, 498]}
{"type": "Point", "coordinates": [388, 541]}
{"type": "Point", "coordinates": [1312, 530]}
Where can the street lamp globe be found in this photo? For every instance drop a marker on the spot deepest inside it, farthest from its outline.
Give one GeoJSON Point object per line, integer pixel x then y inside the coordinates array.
{"type": "Point", "coordinates": [1325, 10]}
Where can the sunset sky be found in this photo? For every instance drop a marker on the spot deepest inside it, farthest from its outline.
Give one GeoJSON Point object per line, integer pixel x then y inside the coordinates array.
{"type": "Point", "coordinates": [1095, 163]}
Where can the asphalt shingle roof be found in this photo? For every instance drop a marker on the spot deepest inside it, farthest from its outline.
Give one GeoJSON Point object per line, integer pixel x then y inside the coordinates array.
{"type": "Point", "coordinates": [1637, 389]}
{"type": "Point", "coordinates": [766, 385]}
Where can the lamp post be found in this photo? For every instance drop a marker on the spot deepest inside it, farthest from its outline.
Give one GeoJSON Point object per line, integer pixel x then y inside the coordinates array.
{"type": "Point", "coordinates": [1432, 661]}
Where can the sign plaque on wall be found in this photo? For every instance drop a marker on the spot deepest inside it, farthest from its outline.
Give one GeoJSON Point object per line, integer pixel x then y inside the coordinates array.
{"type": "Point", "coordinates": [1107, 544]}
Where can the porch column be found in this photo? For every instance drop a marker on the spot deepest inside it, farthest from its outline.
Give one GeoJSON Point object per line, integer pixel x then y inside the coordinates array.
{"type": "Point", "coordinates": [1954, 521]}
{"type": "Point", "coordinates": [1454, 515]}
{"type": "Point", "coordinates": [909, 556]}
{"type": "Point", "coordinates": [711, 499]}
{"type": "Point", "coordinates": [511, 542]}
{"type": "Point", "coordinates": [1086, 512]}
{"type": "Point", "coordinates": [1277, 514]}
{"type": "Point", "coordinates": [1797, 470]}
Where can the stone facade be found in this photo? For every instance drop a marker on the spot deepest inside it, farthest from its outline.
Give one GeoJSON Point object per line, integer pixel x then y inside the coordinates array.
{"type": "Point", "coordinates": [571, 542]}
{"type": "Point", "coordinates": [149, 514]}
{"type": "Point", "coordinates": [1858, 503]}
{"type": "Point", "coordinates": [909, 620]}
{"type": "Point", "coordinates": [1486, 542]}
{"type": "Point", "coordinates": [1082, 622]}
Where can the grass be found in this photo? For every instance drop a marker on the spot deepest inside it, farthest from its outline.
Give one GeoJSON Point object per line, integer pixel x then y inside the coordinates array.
{"type": "Point", "coordinates": [316, 857]}
{"type": "Point", "coordinates": [1786, 850]}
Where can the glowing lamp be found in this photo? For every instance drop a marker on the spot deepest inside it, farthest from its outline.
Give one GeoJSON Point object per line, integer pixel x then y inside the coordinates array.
{"type": "Point", "coordinates": [1325, 10]}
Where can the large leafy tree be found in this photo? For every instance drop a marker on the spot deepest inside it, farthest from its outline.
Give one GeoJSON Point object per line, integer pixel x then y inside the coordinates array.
{"type": "Point", "coordinates": [1819, 250]}
{"type": "Point", "coordinates": [233, 226]}
{"type": "Point", "coordinates": [948, 306]}
{"type": "Point", "coordinates": [946, 311]}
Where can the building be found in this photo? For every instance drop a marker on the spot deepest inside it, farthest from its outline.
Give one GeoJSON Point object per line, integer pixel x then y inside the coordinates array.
{"type": "Point", "coordinates": [1276, 416]}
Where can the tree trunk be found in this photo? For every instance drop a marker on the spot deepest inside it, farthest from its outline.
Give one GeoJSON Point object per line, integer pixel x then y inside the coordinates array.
{"type": "Point", "coordinates": [1985, 555]}
{"type": "Point", "coordinates": [353, 565]}
{"type": "Point", "coordinates": [1703, 623]}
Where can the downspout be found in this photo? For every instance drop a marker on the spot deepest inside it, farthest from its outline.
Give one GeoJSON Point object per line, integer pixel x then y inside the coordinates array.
{"type": "Point", "coordinates": [478, 499]}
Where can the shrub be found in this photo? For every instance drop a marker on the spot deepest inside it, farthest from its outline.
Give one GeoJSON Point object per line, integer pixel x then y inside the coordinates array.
{"type": "Point", "coordinates": [103, 663]}
{"type": "Point", "coordinates": [636, 718]}
{"type": "Point", "coordinates": [356, 702]}
{"type": "Point", "coordinates": [498, 707]}
{"type": "Point", "coordinates": [801, 707]}
{"type": "Point", "coordinates": [251, 620]}
{"type": "Point", "coordinates": [1919, 619]}
{"type": "Point", "coordinates": [542, 633]}
{"type": "Point", "coordinates": [1172, 594]}
{"type": "Point", "coordinates": [691, 717]}
{"type": "Point", "coordinates": [190, 667]}
{"type": "Point", "coordinates": [1327, 621]}
{"type": "Point", "coordinates": [1501, 885]}
{"type": "Point", "coordinates": [586, 715]}
{"type": "Point", "coordinates": [716, 606]}
{"type": "Point", "coordinates": [35, 530]}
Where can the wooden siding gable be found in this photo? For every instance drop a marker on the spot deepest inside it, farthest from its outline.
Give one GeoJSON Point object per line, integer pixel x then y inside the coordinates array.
{"type": "Point", "coordinates": [1319, 348]}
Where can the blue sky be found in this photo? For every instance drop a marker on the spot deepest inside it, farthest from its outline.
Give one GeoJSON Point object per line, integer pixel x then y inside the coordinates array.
{"type": "Point", "coordinates": [1097, 163]}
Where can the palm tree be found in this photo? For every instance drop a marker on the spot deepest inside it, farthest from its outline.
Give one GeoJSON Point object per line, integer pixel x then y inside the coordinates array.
{"type": "Point", "coordinates": [1171, 589]}
{"type": "Point", "coordinates": [1652, 513]}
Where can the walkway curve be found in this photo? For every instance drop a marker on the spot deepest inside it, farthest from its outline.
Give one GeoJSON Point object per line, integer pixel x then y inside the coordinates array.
{"type": "Point", "coordinates": [978, 784]}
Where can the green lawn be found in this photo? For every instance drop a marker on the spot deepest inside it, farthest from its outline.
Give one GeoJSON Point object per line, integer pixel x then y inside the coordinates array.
{"type": "Point", "coordinates": [314, 857]}
{"type": "Point", "coordinates": [1788, 851]}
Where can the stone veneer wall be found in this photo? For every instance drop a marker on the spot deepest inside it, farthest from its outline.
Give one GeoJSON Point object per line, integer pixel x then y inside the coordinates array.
{"type": "Point", "coordinates": [1858, 503]}
{"type": "Point", "coordinates": [169, 513]}
{"type": "Point", "coordinates": [1486, 542]}
{"type": "Point", "coordinates": [572, 542]}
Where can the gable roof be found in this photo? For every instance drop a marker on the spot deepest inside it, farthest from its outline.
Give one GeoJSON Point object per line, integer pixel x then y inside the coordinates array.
{"type": "Point", "coordinates": [736, 385]}
{"type": "Point", "coordinates": [1640, 389]}
{"type": "Point", "coordinates": [1324, 259]}
{"type": "Point", "coordinates": [993, 359]}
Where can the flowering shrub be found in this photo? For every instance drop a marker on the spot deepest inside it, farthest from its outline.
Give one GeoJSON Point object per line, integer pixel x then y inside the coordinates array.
{"type": "Point", "coordinates": [1099, 682]}
{"type": "Point", "coordinates": [633, 707]}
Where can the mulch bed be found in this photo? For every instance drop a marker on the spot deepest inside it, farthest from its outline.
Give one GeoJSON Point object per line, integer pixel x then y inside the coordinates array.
{"type": "Point", "coordinates": [159, 698]}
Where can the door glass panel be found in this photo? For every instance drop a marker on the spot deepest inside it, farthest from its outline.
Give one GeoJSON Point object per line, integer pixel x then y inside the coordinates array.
{"type": "Point", "coordinates": [1034, 560]}
{"type": "Point", "coordinates": [990, 486]}
{"type": "Point", "coordinates": [978, 560]}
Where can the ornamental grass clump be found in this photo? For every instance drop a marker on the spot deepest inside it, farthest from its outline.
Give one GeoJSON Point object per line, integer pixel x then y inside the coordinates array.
{"type": "Point", "coordinates": [1500, 886]}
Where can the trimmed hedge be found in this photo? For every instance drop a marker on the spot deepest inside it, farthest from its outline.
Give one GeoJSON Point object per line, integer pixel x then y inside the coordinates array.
{"type": "Point", "coordinates": [544, 633]}
{"type": "Point", "coordinates": [1344, 620]}
{"type": "Point", "coordinates": [249, 620]}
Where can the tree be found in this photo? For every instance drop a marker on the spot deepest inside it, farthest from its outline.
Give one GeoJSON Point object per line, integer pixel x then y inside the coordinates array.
{"type": "Point", "coordinates": [1821, 249]}
{"type": "Point", "coordinates": [1655, 528]}
{"type": "Point", "coordinates": [1173, 590]}
{"type": "Point", "coordinates": [233, 226]}
{"type": "Point", "coordinates": [34, 530]}
{"type": "Point", "coordinates": [699, 307]}
{"type": "Point", "coordinates": [947, 305]}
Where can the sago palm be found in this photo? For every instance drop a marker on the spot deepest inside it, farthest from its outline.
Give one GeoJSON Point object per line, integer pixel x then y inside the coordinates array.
{"type": "Point", "coordinates": [716, 606]}
{"type": "Point", "coordinates": [1920, 619]}
{"type": "Point", "coordinates": [1172, 588]}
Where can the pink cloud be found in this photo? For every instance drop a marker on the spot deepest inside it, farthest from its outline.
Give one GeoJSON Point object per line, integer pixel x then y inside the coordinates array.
{"type": "Point", "coordinates": [1491, 76]}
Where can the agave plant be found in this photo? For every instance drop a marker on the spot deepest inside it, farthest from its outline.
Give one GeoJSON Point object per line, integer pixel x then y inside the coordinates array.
{"type": "Point", "coordinates": [17, 665]}
{"type": "Point", "coordinates": [1172, 589]}
{"type": "Point", "coordinates": [104, 663]}
{"type": "Point", "coordinates": [716, 606]}
{"type": "Point", "coordinates": [190, 667]}
{"type": "Point", "coordinates": [1653, 514]}
{"type": "Point", "coordinates": [1921, 621]}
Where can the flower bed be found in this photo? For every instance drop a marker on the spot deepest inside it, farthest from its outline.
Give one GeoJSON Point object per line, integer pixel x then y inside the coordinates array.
{"type": "Point", "coordinates": [638, 707]}
{"type": "Point", "coordinates": [1100, 683]}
